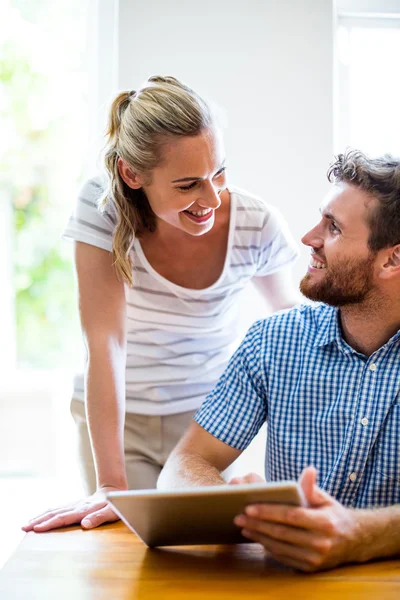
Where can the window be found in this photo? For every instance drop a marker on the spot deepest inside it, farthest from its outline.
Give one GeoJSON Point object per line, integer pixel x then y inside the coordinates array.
{"type": "Point", "coordinates": [367, 85]}
{"type": "Point", "coordinates": [44, 129]}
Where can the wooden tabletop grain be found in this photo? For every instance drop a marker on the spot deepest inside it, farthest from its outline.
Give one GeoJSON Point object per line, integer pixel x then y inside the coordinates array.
{"type": "Point", "coordinates": [111, 563]}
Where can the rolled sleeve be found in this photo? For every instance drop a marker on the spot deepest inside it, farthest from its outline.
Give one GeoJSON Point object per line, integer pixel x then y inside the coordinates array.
{"type": "Point", "coordinates": [236, 409]}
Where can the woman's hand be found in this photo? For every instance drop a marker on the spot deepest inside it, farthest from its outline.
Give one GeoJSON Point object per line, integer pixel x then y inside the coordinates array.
{"type": "Point", "coordinates": [89, 512]}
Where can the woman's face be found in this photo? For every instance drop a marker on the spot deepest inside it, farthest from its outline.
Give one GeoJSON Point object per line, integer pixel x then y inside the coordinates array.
{"type": "Point", "coordinates": [184, 191]}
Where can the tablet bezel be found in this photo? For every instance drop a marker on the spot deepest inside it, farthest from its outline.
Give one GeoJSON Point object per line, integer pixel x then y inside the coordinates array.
{"type": "Point", "coordinates": [197, 513]}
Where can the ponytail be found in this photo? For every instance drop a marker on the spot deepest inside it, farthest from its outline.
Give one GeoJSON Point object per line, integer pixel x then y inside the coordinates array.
{"type": "Point", "coordinates": [138, 126]}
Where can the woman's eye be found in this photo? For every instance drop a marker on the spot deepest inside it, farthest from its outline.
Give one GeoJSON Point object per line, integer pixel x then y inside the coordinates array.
{"type": "Point", "coordinates": [190, 186]}
{"type": "Point", "coordinates": [184, 188]}
{"type": "Point", "coordinates": [220, 173]}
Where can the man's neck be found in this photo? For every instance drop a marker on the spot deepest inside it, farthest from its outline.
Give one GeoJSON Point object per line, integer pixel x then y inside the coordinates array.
{"type": "Point", "coordinates": [367, 327]}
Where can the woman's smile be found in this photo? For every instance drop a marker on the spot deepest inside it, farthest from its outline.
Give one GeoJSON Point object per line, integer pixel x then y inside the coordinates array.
{"type": "Point", "coordinates": [199, 216]}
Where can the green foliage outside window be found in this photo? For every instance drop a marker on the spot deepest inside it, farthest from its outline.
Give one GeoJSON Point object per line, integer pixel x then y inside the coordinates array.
{"type": "Point", "coordinates": [33, 178]}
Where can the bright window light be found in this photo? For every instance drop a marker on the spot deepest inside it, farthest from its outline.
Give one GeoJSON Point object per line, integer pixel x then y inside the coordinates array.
{"type": "Point", "coordinates": [369, 87]}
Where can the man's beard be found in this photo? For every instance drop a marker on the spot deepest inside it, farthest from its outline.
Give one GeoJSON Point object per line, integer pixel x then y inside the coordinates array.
{"type": "Point", "coordinates": [347, 282]}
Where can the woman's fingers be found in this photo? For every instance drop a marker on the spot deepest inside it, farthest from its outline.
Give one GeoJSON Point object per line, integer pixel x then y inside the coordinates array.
{"type": "Point", "coordinates": [95, 515]}
{"type": "Point", "coordinates": [51, 512]}
{"type": "Point", "coordinates": [67, 515]}
{"type": "Point", "coordinates": [46, 516]}
{"type": "Point", "coordinates": [105, 515]}
{"type": "Point", "coordinates": [60, 520]}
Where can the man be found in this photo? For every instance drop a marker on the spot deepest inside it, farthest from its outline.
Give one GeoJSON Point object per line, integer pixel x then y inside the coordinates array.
{"type": "Point", "coordinates": [326, 378]}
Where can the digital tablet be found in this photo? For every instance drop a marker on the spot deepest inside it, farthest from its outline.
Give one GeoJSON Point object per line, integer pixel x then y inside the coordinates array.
{"type": "Point", "coordinates": [201, 515]}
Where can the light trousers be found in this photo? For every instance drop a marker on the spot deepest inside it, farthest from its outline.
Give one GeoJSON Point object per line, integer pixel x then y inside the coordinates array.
{"type": "Point", "coordinates": [148, 441]}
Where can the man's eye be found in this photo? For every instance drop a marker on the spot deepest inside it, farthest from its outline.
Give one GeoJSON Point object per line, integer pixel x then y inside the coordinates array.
{"type": "Point", "coordinates": [334, 228]}
{"type": "Point", "coordinates": [184, 188]}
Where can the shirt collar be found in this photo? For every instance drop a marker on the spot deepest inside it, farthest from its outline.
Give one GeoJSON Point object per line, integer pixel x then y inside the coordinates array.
{"type": "Point", "coordinates": [329, 331]}
{"type": "Point", "coordinates": [328, 327]}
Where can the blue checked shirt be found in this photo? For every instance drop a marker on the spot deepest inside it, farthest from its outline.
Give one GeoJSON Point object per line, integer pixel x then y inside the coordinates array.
{"type": "Point", "coordinates": [325, 405]}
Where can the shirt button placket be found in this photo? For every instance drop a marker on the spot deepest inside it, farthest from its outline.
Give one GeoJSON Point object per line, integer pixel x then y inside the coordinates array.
{"type": "Point", "coordinates": [364, 422]}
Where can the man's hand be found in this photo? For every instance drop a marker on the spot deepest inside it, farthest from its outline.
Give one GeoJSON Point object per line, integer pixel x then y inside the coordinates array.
{"type": "Point", "coordinates": [321, 536]}
{"type": "Point", "coordinates": [89, 512]}
{"type": "Point", "coordinates": [249, 478]}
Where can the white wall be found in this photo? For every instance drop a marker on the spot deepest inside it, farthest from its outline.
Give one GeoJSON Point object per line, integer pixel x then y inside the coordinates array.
{"type": "Point", "coordinates": [269, 64]}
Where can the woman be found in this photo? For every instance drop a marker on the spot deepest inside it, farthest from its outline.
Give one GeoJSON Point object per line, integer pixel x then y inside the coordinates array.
{"type": "Point", "coordinates": [160, 268]}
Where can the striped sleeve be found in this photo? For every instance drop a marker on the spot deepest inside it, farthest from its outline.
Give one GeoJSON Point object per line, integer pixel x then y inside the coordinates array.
{"type": "Point", "coordinates": [86, 223]}
{"type": "Point", "coordinates": [277, 248]}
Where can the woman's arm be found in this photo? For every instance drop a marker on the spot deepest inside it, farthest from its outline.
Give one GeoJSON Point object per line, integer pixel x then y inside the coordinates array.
{"type": "Point", "coordinates": [102, 309]}
{"type": "Point", "coordinates": [279, 289]}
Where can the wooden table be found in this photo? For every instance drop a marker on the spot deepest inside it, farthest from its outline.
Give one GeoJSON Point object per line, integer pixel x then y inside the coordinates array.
{"type": "Point", "coordinates": [111, 563]}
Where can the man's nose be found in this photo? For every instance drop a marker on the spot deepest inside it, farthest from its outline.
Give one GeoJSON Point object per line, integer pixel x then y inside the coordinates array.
{"type": "Point", "coordinates": [313, 238]}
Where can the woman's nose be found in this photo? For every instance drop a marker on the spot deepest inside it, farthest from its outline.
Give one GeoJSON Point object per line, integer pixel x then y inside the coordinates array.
{"type": "Point", "coordinates": [210, 197]}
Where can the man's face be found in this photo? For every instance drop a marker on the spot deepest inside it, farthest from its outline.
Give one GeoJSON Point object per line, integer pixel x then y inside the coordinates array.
{"type": "Point", "coordinates": [341, 269]}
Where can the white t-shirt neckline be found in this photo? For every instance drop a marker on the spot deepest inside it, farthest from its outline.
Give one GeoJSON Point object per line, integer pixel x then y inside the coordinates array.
{"type": "Point", "coordinates": [232, 224]}
{"type": "Point", "coordinates": [179, 340]}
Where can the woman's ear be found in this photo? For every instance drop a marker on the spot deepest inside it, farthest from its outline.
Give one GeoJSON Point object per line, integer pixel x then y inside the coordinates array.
{"type": "Point", "coordinates": [132, 179]}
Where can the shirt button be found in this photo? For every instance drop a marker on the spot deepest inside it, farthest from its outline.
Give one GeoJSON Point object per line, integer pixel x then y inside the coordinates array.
{"type": "Point", "coordinates": [352, 476]}
{"type": "Point", "coordinates": [372, 367]}
{"type": "Point", "coordinates": [364, 421]}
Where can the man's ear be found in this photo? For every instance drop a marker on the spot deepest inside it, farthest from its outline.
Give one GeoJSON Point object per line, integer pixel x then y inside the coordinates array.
{"type": "Point", "coordinates": [391, 266]}
{"type": "Point", "coordinates": [132, 179]}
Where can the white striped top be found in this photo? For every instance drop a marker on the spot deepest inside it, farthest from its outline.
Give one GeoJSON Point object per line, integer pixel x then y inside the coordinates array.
{"type": "Point", "coordinates": [179, 340]}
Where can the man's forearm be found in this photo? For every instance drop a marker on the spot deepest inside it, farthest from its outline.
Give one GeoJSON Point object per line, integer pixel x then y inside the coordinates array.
{"type": "Point", "coordinates": [379, 533]}
{"type": "Point", "coordinates": [188, 470]}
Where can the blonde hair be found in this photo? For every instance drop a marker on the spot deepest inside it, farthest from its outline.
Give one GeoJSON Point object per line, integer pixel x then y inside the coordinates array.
{"type": "Point", "coordinates": [140, 123]}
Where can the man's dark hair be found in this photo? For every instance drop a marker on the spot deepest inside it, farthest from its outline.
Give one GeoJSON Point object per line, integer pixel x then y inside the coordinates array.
{"type": "Point", "coordinates": [380, 178]}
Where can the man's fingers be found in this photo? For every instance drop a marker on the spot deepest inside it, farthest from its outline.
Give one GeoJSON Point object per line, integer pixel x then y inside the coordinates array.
{"type": "Point", "coordinates": [307, 481]}
{"type": "Point", "coordinates": [235, 481]}
{"type": "Point", "coordinates": [284, 533]}
{"type": "Point", "coordinates": [314, 496]}
{"type": "Point", "coordinates": [283, 550]}
{"type": "Point", "coordinates": [249, 478]}
{"type": "Point", "coordinates": [306, 518]}
{"type": "Point", "coordinates": [299, 565]}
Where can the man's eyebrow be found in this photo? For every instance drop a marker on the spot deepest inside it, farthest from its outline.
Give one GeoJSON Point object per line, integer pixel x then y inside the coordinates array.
{"type": "Point", "coordinates": [332, 217]}
{"type": "Point", "coordinates": [196, 178]}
